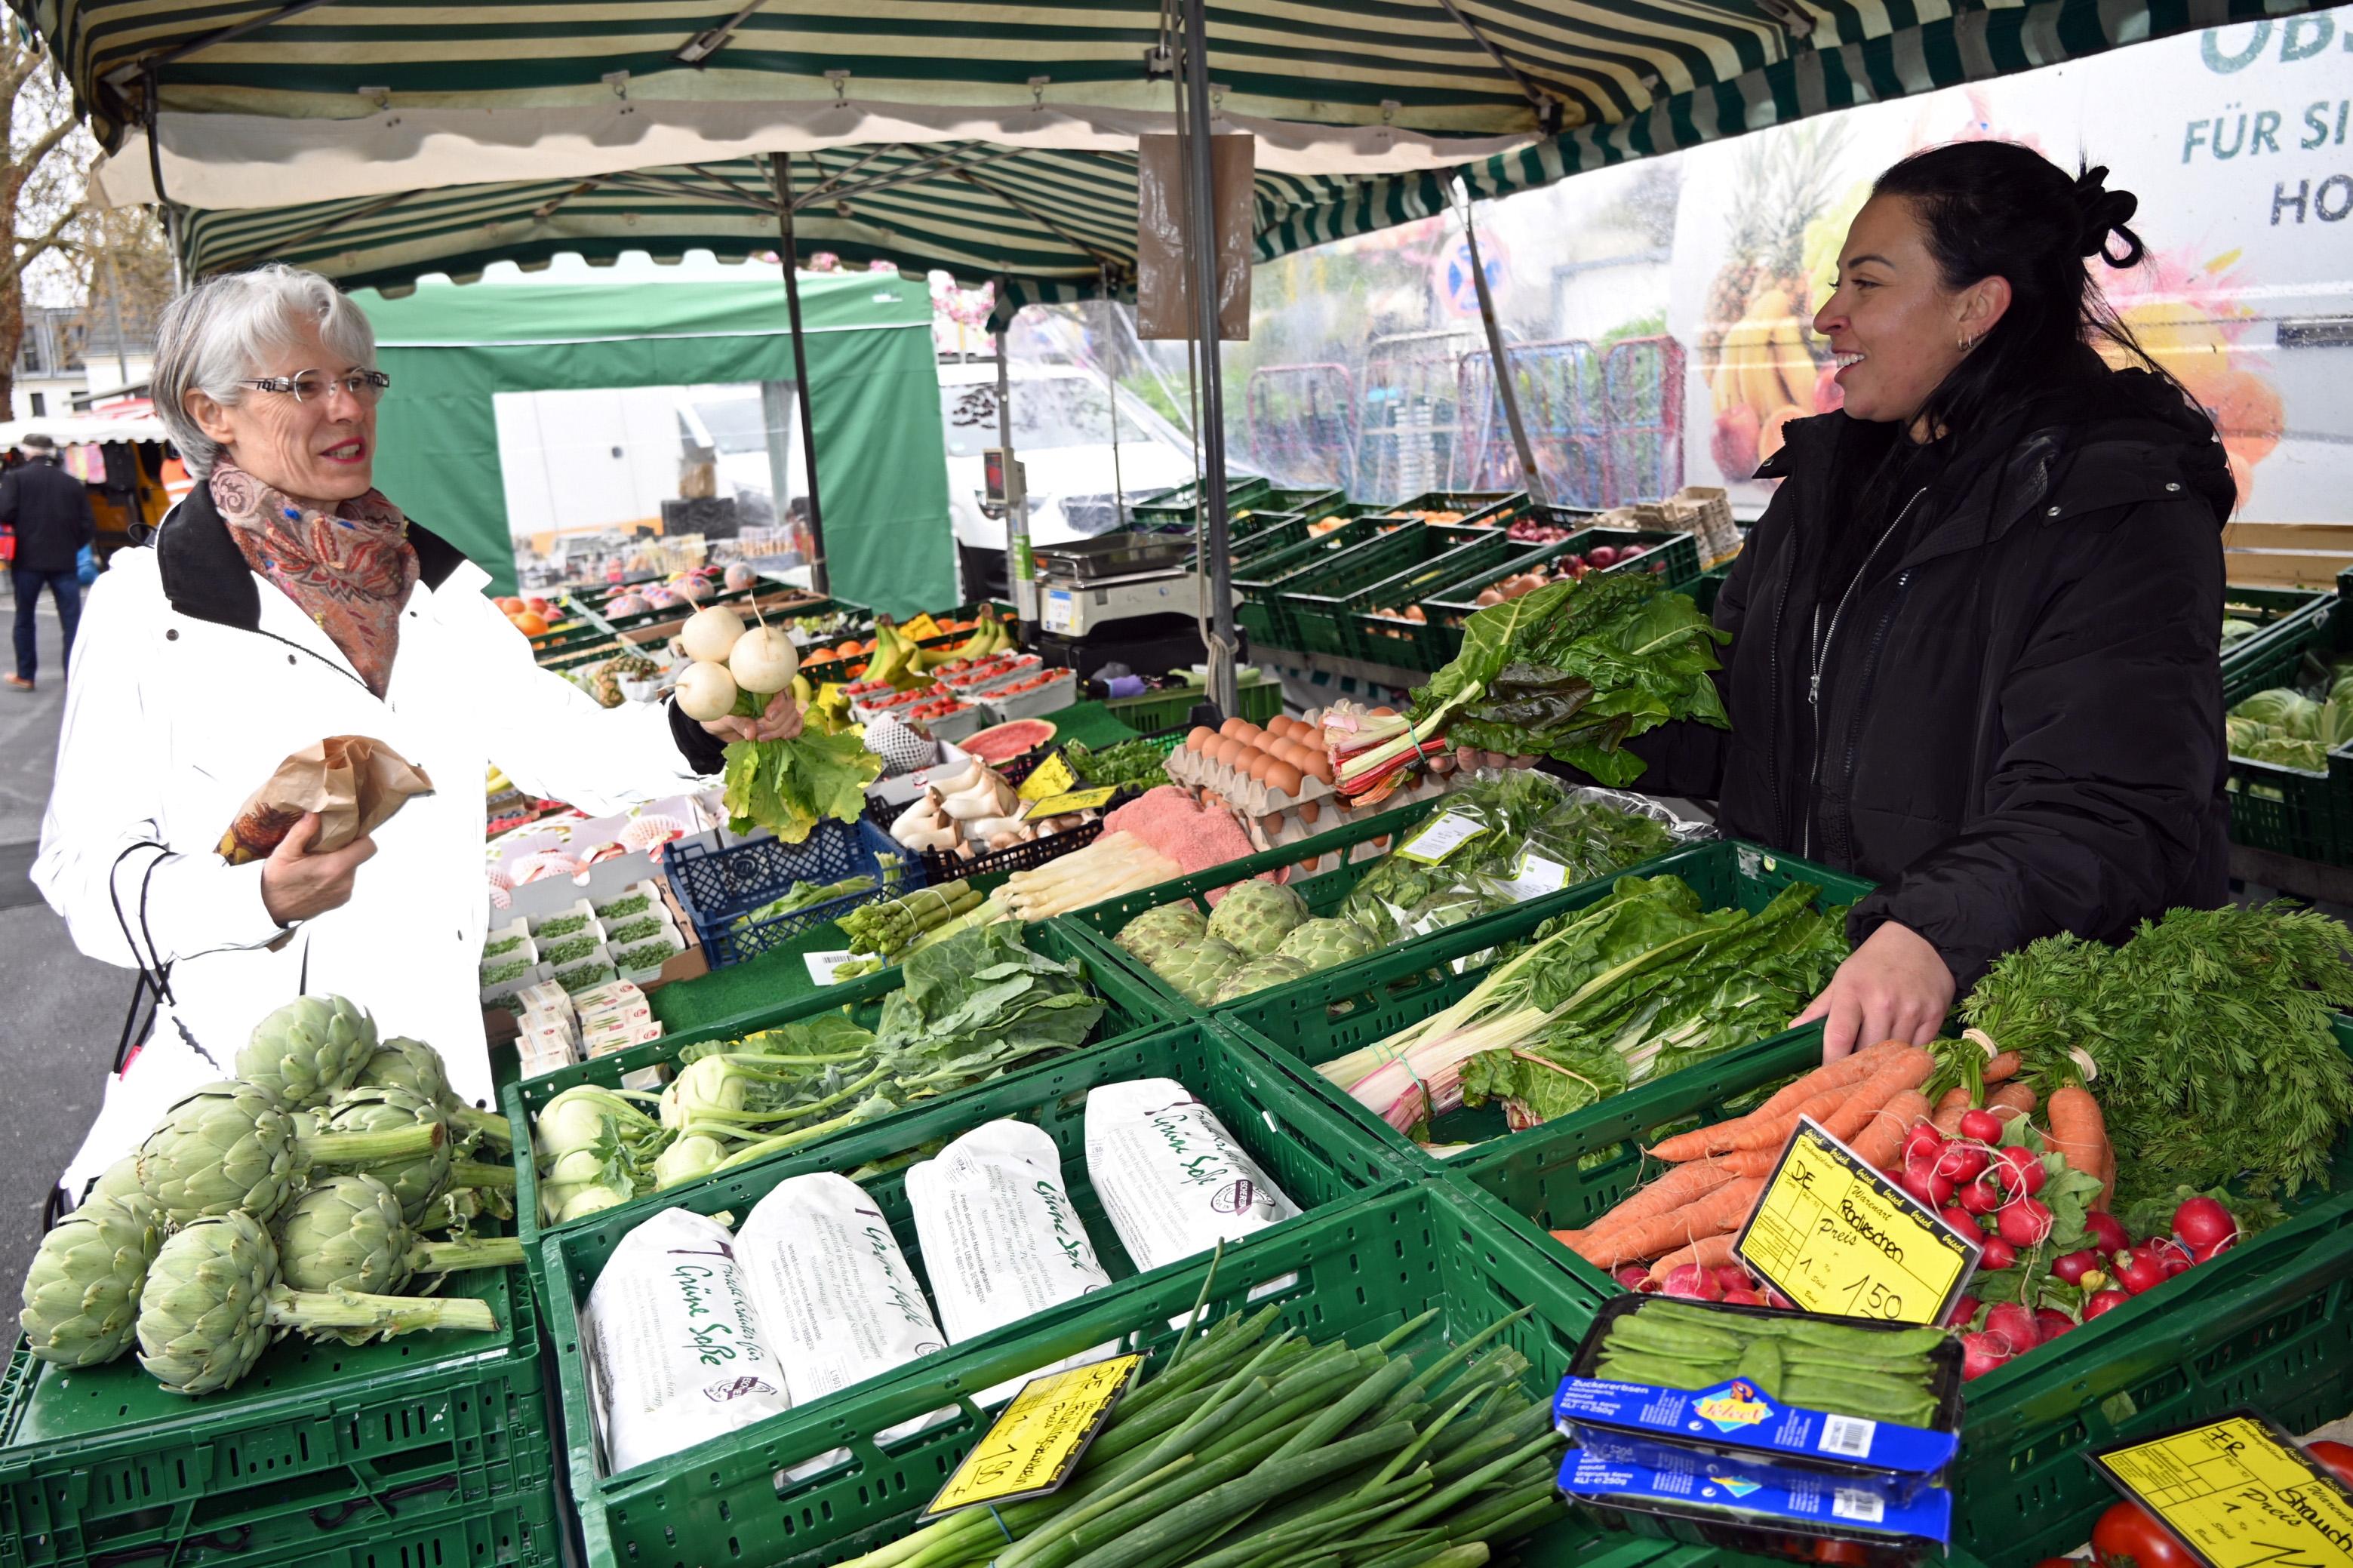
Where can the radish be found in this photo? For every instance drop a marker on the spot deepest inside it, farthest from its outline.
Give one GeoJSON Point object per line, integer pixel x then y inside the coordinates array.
{"type": "Point", "coordinates": [1982, 1198]}
{"type": "Point", "coordinates": [2106, 1230]}
{"type": "Point", "coordinates": [2013, 1323]}
{"type": "Point", "coordinates": [2206, 1249]}
{"type": "Point", "coordinates": [2172, 1255]}
{"type": "Point", "coordinates": [1964, 1312]}
{"type": "Point", "coordinates": [2053, 1323]}
{"type": "Point", "coordinates": [1930, 1189]}
{"type": "Point", "coordinates": [2104, 1302]}
{"type": "Point", "coordinates": [1922, 1139]}
{"type": "Point", "coordinates": [2071, 1266]}
{"type": "Point", "coordinates": [1730, 1277]}
{"type": "Point", "coordinates": [711, 633]}
{"type": "Point", "coordinates": [2140, 1270]}
{"type": "Point", "coordinates": [2025, 1223]}
{"type": "Point", "coordinates": [1982, 1125]}
{"type": "Point", "coordinates": [1630, 1275]}
{"type": "Point", "coordinates": [1961, 1162]}
{"type": "Point", "coordinates": [1742, 1297]}
{"type": "Point", "coordinates": [1959, 1221]}
{"type": "Point", "coordinates": [2020, 1171]}
{"type": "Point", "coordinates": [1997, 1254]}
{"type": "Point", "coordinates": [1693, 1283]}
{"type": "Point", "coordinates": [1779, 1302]}
{"type": "Point", "coordinates": [763, 660]}
{"type": "Point", "coordinates": [2202, 1222]}
{"type": "Point", "coordinates": [706, 691]}
{"type": "Point", "coordinates": [1982, 1353]}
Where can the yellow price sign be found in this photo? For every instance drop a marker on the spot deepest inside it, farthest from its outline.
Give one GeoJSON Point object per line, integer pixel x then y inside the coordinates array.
{"type": "Point", "coordinates": [2238, 1491]}
{"type": "Point", "coordinates": [1834, 1236]}
{"type": "Point", "coordinates": [1036, 1444]}
{"type": "Point", "coordinates": [1047, 779]}
{"type": "Point", "coordinates": [1077, 800]}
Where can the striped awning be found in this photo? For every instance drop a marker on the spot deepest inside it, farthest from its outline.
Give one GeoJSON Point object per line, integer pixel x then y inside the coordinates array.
{"type": "Point", "coordinates": [366, 122]}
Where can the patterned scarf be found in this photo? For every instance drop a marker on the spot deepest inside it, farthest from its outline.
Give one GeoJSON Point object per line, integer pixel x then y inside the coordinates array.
{"type": "Point", "coordinates": [350, 570]}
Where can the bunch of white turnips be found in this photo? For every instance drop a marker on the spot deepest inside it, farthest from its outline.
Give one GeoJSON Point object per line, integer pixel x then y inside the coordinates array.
{"type": "Point", "coordinates": [730, 657]}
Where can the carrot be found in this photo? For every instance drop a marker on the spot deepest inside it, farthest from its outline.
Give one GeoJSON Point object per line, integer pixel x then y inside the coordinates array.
{"type": "Point", "coordinates": [1720, 1213]}
{"type": "Point", "coordinates": [1906, 1068]}
{"type": "Point", "coordinates": [1773, 1133]}
{"type": "Point", "coordinates": [2016, 1098]}
{"type": "Point", "coordinates": [2079, 1134]}
{"type": "Point", "coordinates": [2002, 1068]}
{"type": "Point", "coordinates": [1708, 1252]}
{"type": "Point", "coordinates": [1669, 1192]}
{"type": "Point", "coordinates": [1951, 1109]}
{"type": "Point", "coordinates": [1716, 1139]}
{"type": "Point", "coordinates": [1880, 1143]}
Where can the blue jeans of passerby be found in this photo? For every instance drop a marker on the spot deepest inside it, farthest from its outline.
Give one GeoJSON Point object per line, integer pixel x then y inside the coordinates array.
{"type": "Point", "coordinates": [29, 582]}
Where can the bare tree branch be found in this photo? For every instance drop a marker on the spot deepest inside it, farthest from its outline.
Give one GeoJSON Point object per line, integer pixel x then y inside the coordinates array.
{"type": "Point", "coordinates": [13, 267]}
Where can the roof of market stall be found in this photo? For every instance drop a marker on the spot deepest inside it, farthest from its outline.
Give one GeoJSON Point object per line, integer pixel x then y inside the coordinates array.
{"type": "Point", "coordinates": [991, 139]}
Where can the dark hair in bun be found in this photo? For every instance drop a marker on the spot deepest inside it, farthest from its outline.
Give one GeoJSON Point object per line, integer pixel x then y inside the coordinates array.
{"type": "Point", "coordinates": [1999, 209]}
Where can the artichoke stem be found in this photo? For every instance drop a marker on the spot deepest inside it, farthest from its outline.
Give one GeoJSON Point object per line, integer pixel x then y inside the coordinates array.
{"type": "Point", "coordinates": [456, 1256]}
{"type": "Point", "coordinates": [475, 1173]}
{"type": "Point", "coordinates": [322, 1311]}
{"type": "Point", "coordinates": [377, 1148]}
{"type": "Point", "coordinates": [487, 1125]}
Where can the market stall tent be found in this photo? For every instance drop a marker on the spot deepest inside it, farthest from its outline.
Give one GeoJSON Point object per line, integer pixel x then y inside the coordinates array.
{"type": "Point", "coordinates": [451, 348]}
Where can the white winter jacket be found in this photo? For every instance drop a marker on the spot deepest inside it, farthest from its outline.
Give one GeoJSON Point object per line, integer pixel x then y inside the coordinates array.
{"type": "Point", "coordinates": [192, 679]}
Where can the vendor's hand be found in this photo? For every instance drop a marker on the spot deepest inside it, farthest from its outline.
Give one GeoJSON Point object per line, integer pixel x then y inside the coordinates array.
{"type": "Point", "coordinates": [296, 885]}
{"type": "Point", "coordinates": [1894, 987]}
{"type": "Point", "coordinates": [1471, 759]}
{"type": "Point", "coordinates": [782, 721]}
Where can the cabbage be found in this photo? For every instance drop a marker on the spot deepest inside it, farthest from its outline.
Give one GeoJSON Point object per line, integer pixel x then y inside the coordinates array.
{"type": "Point", "coordinates": [2290, 712]}
{"type": "Point", "coordinates": [2235, 630]}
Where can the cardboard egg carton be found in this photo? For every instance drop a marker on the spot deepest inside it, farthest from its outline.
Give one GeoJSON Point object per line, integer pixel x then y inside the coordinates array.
{"type": "Point", "coordinates": [1246, 794]}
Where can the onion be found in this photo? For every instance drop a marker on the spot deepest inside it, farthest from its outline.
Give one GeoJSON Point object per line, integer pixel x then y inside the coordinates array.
{"type": "Point", "coordinates": [763, 660]}
{"type": "Point", "coordinates": [711, 633]}
{"type": "Point", "coordinates": [706, 691]}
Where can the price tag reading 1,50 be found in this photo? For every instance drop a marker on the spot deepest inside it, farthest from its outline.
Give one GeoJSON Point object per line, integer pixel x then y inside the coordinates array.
{"type": "Point", "coordinates": [1834, 1236]}
{"type": "Point", "coordinates": [2238, 1491]}
{"type": "Point", "coordinates": [1036, 1445]}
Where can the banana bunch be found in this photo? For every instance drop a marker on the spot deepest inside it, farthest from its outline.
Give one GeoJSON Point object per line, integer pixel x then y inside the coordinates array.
{"type": "Point", "coordinates": [993, 637]}
{"type": "Point", "coordinates": [1766, 365]}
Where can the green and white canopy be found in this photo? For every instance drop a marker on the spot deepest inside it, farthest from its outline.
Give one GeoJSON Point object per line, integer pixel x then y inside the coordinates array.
{"type": "Point", "coordinates": [376, 140]}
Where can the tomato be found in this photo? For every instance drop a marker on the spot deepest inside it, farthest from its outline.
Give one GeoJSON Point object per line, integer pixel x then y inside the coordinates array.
{"type": "Point", "coordinates": [2335, 1457]}
{"type": "Point", "coordinates": [2128, 1536]}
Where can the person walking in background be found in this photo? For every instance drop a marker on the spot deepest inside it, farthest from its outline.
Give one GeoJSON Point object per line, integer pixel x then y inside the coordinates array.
{"type": "Point", "coordinates": [50, 510]}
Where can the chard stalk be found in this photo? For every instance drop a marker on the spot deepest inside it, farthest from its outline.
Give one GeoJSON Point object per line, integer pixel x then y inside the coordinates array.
{"type": "Point", "coordinates": [1370, 763]}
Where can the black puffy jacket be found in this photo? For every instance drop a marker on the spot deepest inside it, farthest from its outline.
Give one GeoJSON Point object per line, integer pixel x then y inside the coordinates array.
{"type": "Point", "coordinates": [2020, 712]}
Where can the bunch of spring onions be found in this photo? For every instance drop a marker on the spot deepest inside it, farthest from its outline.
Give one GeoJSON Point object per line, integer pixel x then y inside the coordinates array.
{"type": "Point", "coordinates": [1246, 1450]}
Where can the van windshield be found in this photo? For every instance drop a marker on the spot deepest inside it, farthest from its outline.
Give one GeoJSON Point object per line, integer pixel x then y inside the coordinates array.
{"type": "Point", "coordinates": [1056, 411]}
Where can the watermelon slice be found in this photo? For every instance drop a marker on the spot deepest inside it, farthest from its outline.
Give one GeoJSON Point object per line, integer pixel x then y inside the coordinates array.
{"type": "Point", "coordinates": [1001, 744]}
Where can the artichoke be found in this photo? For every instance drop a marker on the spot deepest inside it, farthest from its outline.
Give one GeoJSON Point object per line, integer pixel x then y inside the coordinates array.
{"type": "Point", "coordinates": [1257, 975]}
{"type": "Point", "coordinates": [347, 1234]}
{"type": "Point", "coordinates": [1196, 971]}
{"type": "Point", "coordinates": [81, 1295]}
{"type": "Point", "coordinates": [213, 1302]}
{"type": "Point", "coordinates": [307, 1050]}
{"type": "Point", "coordinates": [419, 1174]}
{"type": "Point", "coordinates": [403, 1063]}
{"type": "Point", "coordinates": [1256, 915]}
{"type": "Point", "coordinates": [1322, 944]}
{"type": "Point", "coordinates": [118, 1180]}
{"type": "Point", "coordinates": [230, 1146]}
{"type": "Point", "coordinates": [1155, 933]}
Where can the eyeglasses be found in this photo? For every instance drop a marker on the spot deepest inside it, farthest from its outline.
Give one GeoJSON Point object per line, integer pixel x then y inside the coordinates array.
{"type": "Point", "coordinates": [365, 385]}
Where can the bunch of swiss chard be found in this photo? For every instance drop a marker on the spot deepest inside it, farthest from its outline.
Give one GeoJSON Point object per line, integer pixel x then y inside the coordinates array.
{"type": "Point", "coordinates": [1643, 983]}
{"type": "Point", "coordinates": [1572, 671]}
{"type": "Point", "coordinates": [2206, 1037]}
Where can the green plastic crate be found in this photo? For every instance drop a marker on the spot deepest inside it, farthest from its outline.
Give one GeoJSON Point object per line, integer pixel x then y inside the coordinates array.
{"type": "Point", "coordinates": [1258, 698]}
{"type": "Point", "coordinates": [1311, 1021]}
{"type": "Point", "coordinates": [1313, 1157]}
{"type": "Point", "coordinates": [2293, 620]}
{"type": "Point", "coordinates": [1318, 602]}
{"type": "Point", "coordinates": [1383, 640]}
{"type": "Point", "coordinates": [1442, 633]}
{"type": "Point", "coordinates": [322, 1450]}
{"type": "Point", "coordinates": [2290, 811]}
{"type": "Point", "coordinates": [1182, 506]}
{"type": "Point", "coordinates": [1356, 1273]}
{"type": "Point", "coordinates": [1490, 509]}
{"type": "Point", "coordinates": [1131, 1012]}
{"type": "Point", "coordinates": [1259, 582]}
{"type": "Point", "coordinates": [2267, 1323]}
{"type": "Point", "coordinates": [1711, 583]}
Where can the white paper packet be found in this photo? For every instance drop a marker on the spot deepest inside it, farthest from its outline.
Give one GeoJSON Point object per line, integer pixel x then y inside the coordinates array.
{"type": "Point", "coordinates": [1172, 1179]}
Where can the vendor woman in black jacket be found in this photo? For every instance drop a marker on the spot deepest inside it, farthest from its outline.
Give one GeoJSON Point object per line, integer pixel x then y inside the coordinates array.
{"type": "Point", "coordinates": [1976, 635]}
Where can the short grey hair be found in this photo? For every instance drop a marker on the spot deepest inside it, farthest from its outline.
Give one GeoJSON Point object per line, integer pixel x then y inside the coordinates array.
{"type": "Point", "coordinates": [215, 336]}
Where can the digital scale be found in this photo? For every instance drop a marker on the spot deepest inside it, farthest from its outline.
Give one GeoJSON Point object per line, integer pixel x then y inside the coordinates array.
{"type": "Point", "coordinates": [1089, 584]}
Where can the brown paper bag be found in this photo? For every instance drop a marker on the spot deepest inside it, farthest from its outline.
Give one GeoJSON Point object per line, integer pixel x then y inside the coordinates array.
{"type": "Point", "coordinates": [1163, 290]}
{"type": "Point", "coordinates": [352, 783]}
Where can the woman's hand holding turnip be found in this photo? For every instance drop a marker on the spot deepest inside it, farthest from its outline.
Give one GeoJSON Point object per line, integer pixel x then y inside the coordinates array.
{"type": "Point", "coordinates": [296, 885]}
{"type": "Point", "coordinates": [781, 721]}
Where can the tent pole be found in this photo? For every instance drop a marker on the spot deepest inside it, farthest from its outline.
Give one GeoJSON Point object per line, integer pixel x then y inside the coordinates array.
{"type": "Point", "coordinates": [1202, 238]}
{"type": "Point", "coordinates": [780, 175]}
{"type": "Point", "coordinates": [1021, 584]}
{"type": "Point", "coordinates": [1499, 362]}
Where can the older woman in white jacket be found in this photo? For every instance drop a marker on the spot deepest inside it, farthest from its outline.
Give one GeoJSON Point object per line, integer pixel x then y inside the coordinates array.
{"type": "Point", "coordinates": [282, 601]}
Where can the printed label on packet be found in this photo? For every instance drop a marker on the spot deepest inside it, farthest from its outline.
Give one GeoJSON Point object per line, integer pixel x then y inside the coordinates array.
{"type": "Point", "coordinates": [1536, 876]}
{"type": "Point", "coordinates": [1441, 835]}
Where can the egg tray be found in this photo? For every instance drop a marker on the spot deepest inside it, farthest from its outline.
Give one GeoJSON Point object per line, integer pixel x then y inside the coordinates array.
{"type": "Point", "coordinates": [1252, 796]}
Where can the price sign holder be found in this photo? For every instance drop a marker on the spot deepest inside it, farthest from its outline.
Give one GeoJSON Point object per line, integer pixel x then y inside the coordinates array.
{"type": "Point", "coordinates": [1050, 778]}
{"type": "Point", "coordinates": [2238, 1491]}
{"type": "Point", "coordinates": [1836, 1236]}
{"type": "Point", "coordinates": [1077, 800]}
{"type": "Point", "coordinates": [1037, 1443]}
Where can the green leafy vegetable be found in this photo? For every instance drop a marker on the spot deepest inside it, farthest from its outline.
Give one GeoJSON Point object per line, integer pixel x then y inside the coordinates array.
{"type": "Point", "coordinates": [1131, 764]}
{"type": "Point", "coordinates": [789, 786]}
{"type": "Point", "coordinates": [560, 925]}
{"type": "Point", "coordinates": [571, 950]}
{"type": "Point", "coordinates": [513, 969]}
{"type": "Point", "coordinates": [622, 909]}
{"type": "Point", "coordinates": [645, 955]}
{"type": "Point", "coordinates": [804, 895]}
{"type": "Point", "coordinates": [979, 1002]}
{"type": "Point", "coordinates": [632, 931]}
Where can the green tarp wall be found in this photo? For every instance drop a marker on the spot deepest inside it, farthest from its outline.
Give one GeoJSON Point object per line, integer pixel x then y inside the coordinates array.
{"type": "Point", "coordinates": [874, 401]}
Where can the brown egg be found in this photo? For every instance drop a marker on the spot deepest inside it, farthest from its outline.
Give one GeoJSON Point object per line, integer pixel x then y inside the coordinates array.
{"type": "Point", "coordinates": [1302, 755]}
{"type": "Point", "coordinates": [1320, 767]}
{"type": "Point", "coordinates": [1281, 777]}
{"type": "Point", "coordinates": [1225, 750]}
{"type": "Point", "coordinates": [1241, 728]}
{"type": "Point", "coordinates": [1202, 736]}
{"type": "Point", "coordinates": [1280, 727]}
{"type": "Point", "coordinates": [1257, 763]}
{"type": "Point", "coordinates": [1309, 810]}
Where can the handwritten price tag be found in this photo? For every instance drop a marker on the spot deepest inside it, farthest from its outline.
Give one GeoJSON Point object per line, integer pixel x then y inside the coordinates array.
{"type": "Point", "coordinates": [1036, 1444]}
{"type": "Point", "coordinates": [2238, 1492]}
{"type": "Point", "coordinates": [1047, 779]}
{"type": "Point", "coordinates": [1077, 800]}
{"type": "Point", "coordinates": [1834, 1236]}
